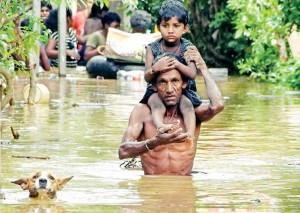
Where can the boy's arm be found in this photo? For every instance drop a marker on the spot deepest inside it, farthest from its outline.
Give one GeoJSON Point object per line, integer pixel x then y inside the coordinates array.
{"type": "Point", "coordinates": [162, 65]}
{"type": "Point", "coordinates": [148, 65]}
{"type": "Point", "coordinates": [189, 71]}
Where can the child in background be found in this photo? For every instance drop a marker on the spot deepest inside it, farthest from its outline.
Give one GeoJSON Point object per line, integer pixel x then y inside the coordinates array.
{"type": "Point", "coordinates": [172, 22]}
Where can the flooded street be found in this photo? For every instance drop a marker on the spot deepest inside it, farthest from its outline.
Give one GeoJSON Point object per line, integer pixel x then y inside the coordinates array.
{"type": "Point", "coordinates": [247, 159]}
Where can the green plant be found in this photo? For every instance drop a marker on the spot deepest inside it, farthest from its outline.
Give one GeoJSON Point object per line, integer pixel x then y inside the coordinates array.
{"type": "Point", "coordinates": [266, 24]}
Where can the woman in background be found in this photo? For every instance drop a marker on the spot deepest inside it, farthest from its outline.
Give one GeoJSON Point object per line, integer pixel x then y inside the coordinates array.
{"type": "Point", "coordinates": [71, 40]}
{"type": "Point", "coordinates": [45, 9]}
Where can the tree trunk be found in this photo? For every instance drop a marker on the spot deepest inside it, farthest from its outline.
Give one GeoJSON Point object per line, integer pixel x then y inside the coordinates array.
{"type": "Point", "coordinates": [9, 90]}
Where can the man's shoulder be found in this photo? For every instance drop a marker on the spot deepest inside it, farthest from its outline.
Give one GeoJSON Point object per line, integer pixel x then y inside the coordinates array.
{"type": "Point", "coordinates": [141, 111]}
{"type": "Point", "coordinates": [141, 107]}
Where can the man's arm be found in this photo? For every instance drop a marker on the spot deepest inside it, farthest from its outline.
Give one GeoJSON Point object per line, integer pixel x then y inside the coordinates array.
{"type": "Point", "coordinates": [129, 146]}
{"type": "Point", "coordinates": [206, 112]}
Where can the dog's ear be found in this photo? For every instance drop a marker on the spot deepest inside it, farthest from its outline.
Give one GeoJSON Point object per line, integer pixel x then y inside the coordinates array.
{"type": "Point", "coordinates": [22, 182]}
{"type": "Point", "coordinates": [63, 181]}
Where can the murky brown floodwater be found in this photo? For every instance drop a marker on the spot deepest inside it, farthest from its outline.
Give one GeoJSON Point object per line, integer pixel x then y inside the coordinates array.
{"type": "Point", "coordinates": [248, 156]}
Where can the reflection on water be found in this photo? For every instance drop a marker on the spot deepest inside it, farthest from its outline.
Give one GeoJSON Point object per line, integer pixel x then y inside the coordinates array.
{"type": "Point", "coordinates": [163, 194]}
{"type": "Point", "coordinates": [247, 158]}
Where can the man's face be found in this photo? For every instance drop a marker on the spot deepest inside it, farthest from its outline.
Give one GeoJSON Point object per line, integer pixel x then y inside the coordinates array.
{"type": "Point", "coordinates": [169, 87]}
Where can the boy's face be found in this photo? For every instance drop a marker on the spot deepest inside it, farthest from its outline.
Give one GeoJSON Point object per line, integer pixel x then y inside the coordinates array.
{"type": "Point", "coordinates": [172, 30]}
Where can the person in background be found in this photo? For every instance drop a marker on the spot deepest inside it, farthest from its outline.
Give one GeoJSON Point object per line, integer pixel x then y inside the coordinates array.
{"type": "Point", "coordinates": [71, 40]}
{"type": "Point", "coordinates": [94, 21]}
{"type": "Point", "coordinates": [79, 20]}
{"type": "Point", "coordinates": [140, 20]}
{"type": "Point", "coordinates": [44, 61]}
{"type": "Point", "coordinates": [107, 68]}
{"type": "Point", "coordinates": [92, 54]}
{"type": "Point", "coordinates": [92, 24]}
{"type": "Point", "coordinates": [45, 9]}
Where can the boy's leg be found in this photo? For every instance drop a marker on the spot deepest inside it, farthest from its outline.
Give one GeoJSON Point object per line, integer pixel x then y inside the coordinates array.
{"type": "Point", "coordinates": [158, 111]}
{"type": "Point", "coordinates": [189, 118]}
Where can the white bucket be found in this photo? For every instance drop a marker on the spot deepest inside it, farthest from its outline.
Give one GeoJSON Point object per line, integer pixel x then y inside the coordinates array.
{"type": "Point", "coordinates": [133, 75]}
{"type": "Point", "coordinates": [42, 95]}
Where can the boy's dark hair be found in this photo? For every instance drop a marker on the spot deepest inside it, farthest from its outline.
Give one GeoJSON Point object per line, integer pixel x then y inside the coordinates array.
{"type": "Point", "coordinates": [46, 4]}
{"type": "Point", "coordinates": [170, 9]}
{"type": "Point", "coordinates": [97, 11]}
{"type": "Point", "coordinates": [110, 17]}
{"type": "Point", "coordinates": [171, 55]}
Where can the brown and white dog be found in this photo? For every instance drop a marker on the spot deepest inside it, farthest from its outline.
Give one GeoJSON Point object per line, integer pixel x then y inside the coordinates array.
{"type": "Point", "coordinates": [42, 184]}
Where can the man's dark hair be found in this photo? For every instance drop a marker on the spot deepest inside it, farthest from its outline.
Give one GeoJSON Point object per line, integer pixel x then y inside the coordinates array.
{"type": "Point", "coordinates": [110, 17]}
{"type": "Point", "coordinates": [170, 9]}
{"type": "Point", "coordinates": [171, 55]}
{"type": "Point", "coordinates": [46, 4]}
{"type": "Point", "coordinates": [140, 19]}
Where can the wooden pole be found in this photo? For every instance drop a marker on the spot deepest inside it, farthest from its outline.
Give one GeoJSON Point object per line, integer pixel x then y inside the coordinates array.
{"type": "Point", "coordinates": [62, 26]}
{"type": "Point", "coordinates": [36, 10]}
{"type": "Point", "coordinates": [34, 60]}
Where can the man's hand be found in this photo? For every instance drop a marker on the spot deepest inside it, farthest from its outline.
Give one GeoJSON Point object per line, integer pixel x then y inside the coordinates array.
{"type": "Point", "coordinates": [176, 136]}
{"type": "Point", "coordinates": [164, 64]}
{"type": "Point", "coordinates": [192, 54]}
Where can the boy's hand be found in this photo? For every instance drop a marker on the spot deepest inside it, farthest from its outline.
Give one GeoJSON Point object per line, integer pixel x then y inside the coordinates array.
{"type": "Point", "coordinates": [164, 64]}
{"type": "Point", "coordinates": [192, 54]}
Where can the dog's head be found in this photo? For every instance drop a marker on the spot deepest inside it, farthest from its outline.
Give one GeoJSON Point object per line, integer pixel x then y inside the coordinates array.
{"type": "Point", "coordinates": [42, 184]}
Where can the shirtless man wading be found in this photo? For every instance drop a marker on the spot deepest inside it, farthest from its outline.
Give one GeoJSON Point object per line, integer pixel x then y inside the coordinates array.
{"type": "Point", "coordinates": [171, 152]}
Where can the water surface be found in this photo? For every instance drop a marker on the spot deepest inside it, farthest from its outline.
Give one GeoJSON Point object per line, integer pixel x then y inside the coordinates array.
{"type": "Point", "coordinates": [247, 158]}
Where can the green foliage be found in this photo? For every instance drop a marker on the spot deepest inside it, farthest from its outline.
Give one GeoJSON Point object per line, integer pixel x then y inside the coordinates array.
{"type": "Point", "coordinates": [290, 73]}
{"type": "Point", "coordinates": [263, 23]}
{"type": "Point", "coordinates": [11, 13]}
{"type": "Point", "coordinates": [151, 7]}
